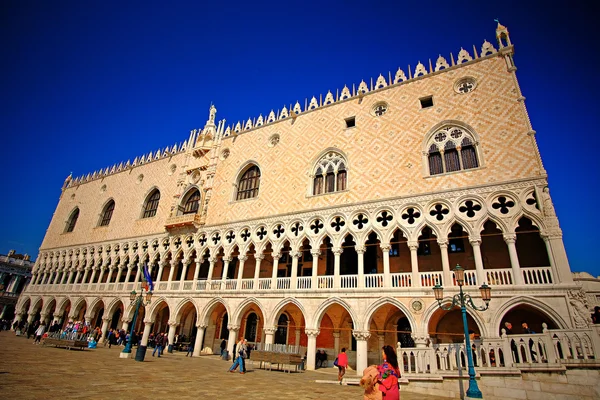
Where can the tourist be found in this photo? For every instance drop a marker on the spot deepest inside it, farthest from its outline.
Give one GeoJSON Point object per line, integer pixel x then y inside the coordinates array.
{"type": "Point", "coordinates": [241, 355]}
{"type": "Point", "coordinates": [528, 331]}
{"type": "Point", "coordinates": [39, 332]}
{"type": "Point", "coordinates": [31, 329]}
{"type": "Point", "coordinates": [389, 374]}
{"type": "Point", "coordinates": [513, 345]}
{"type": "Point", "coordinates": [190, 349]}
{"type": "Point", "coordinates": [223, 346]}
{"type": "Point", "coordinates": [342, 364]}
{"type": "Point", "coordinates": [160, 342]}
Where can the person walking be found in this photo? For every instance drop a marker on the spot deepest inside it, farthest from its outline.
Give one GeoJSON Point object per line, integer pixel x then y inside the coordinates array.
{"type": "Point", "coordinates": [190, 349]}
{"type": "Point", "coordinates": [160, 342]}
{"type": "Point", "coordinates": [241, 355]}
{"type": "Point", "coordinates": [342, 364]}
{"type": "Point", "coordinates": [223, 346]}
{"type": "Point", "coordinates": [39, 332]}
{"type": "Point", "coordinates": [389, 374]}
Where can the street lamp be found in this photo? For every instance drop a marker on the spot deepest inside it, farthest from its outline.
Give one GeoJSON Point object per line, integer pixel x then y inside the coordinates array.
{"type": "Point", "coordinates": [462, 299]}
{"type": "Point", "coordinates": [138, 299]}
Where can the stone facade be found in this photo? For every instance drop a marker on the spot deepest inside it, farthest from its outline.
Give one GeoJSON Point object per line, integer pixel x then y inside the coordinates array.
{"type": "Point", "coordinates": [327, 225]}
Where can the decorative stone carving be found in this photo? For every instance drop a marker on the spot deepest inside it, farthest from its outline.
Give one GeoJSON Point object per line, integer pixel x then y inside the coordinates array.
{"type": "Point", "coordinates": [361, 335]}
{"type": "Point", "coordinates": [579, 304]}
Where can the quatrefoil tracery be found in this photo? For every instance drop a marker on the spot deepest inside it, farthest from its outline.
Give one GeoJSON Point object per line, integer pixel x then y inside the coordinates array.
{"type": "Point", "coordinates": [384, 218]}
{"type": "Point", "coordinates": [360, 221]}
{"type": "Point", "coordinates": [470, 208]}
{"type": "Point", "coordinates": [202, 240]}
{"type": "Point", "coordinates": [230, 236]}
{"type": "Point", "coordinates": [316, 226]}
{"type": "Point", "coordinates": [338, 223]}
{"type": "Point", "coordinates": [503, 204]}
{"type": "Point", "coordinates": [297, 228]}
{"type": "Point", "coordinates": [439, 211]}
{"type": "Point", "coordinates": [278, 231]}
{"type": "Point", "coordinates": [261, 232]}
{"type": "Point", "coordinates": [411, 215]}
{"type": "Point", "coordinates": [216, 238]}
{"type": "Point", "coordinates": [245, 235]}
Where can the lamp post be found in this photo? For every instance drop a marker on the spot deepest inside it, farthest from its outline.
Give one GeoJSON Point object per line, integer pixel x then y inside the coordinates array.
{"type": "Point", "coordinates": [462, 299]}
{"type": "Point", "coordinates": [138, 299]}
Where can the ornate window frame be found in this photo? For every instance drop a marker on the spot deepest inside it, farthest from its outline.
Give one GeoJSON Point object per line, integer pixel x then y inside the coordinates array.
{"type": "Point", "coordinates": [70, 224]}
{"type": "Point", "coordinates": [189, 192]}
{"type": "Point", "coordinates": [104, 221]}
{"type": "Point", "coordinates": [326, 163]}
{"type": "Point", "coordinates": [150, 193]}
{"type": "Point", "coordinates": [240, 174]}
{"type": "Point", "coordinates": [453, 143]}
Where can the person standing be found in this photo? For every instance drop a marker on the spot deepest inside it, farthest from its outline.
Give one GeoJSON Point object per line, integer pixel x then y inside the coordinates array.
{"type": "Point", "coordinates": [389, 374]}
{"type": "Point", "coordinates": [342, 364]}
{"type": "Point", "coordinates": [190, 349]}
{"type": "Point", "coordinates": [160, 342]}
{"type": "Point", "coordinates": [39, 332]}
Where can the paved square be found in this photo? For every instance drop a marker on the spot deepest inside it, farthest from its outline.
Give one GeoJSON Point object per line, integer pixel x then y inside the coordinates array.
{"type": "Point", "coordinates": [36, 372]}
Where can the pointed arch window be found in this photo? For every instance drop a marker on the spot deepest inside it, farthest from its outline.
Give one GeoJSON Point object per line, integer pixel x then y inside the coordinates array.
{"type": "Point", "coordinates": [249, 184]}
{"type": "Point", "coordinates": [330, 174]}
{"type": "Point", "coordinates": [152, 204]}
{"type": "Point", "coordinates": [192, 203]}
{"type": "Point", "coordinates": [451, 149]}
{"type": "Point", "coordinates": [107, 213]}
{"type": "Point", "coordinates": [72, 221]}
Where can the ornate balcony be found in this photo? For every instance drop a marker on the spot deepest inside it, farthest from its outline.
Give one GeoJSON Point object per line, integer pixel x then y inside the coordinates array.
{"type": "Point", "coordinates": [183, 220]}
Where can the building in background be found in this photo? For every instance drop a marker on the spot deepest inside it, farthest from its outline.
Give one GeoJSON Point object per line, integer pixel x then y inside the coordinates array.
{"type": "Point", "coordinates": [326, 224]}
{"type": "Point", "coordinates": [15, 274]}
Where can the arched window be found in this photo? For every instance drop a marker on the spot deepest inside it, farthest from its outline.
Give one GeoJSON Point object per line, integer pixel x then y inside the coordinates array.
{"type": "Point", "coordinates": [107, 213]}
{"type": "Point", "coordinates": [451, 149]}
{"type": "Point", "coordinates": [330, 174]}
{"type": "Point", "coordinates": [249, 183]}
{"type": "Point", "coordinates": [152, 204]}
{"type": "Point", "coordinates": [72, 221]}
{"type": "Point", "coordinates": [192, 203]}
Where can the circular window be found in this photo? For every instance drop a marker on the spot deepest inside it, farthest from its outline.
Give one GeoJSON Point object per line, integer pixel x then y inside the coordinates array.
{"type": "Point", "coordinates": [140, 178]}
{"type": "Point", "coordinates": [103, 189]}
{"type": "Point", "coordinates": [172, 169]}
{"type": "Point", "coordinates": [224, 154]}
{"type": "Point", "coordinates": [73, 196]}
{"type": "Point", "coordinates": [274, 140]}
{"type": "Point", "coordinates": [379, 108]}
{"type": "Point", "coordinates": [465, 85]}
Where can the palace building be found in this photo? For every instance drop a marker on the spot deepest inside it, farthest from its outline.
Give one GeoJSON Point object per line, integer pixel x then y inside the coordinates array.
{"type": "Point", "coordinates": [326, 224]}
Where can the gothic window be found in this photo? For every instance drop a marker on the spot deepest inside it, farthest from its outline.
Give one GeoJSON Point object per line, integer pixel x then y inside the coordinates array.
{"type": "Point", "coordinates": [107, 213]}
{"type": "Point", "coordinates": [192, 203]}
{"type": "Point", "coordinates": [72, 221]}
{"type": "Point", "coordinates": [451, 149]}
{"type": "Point", "coordinates": [469, 156]}
{"type": "Point", "coordinates": [152, 204]}
{"type": "Point", "coordinates": [249, 183]}
{"type": "Point", "coordinates": [330, 174]}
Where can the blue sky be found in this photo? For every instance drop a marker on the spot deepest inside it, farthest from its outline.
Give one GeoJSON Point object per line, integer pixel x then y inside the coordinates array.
{"type": "Point", "coordinates": [89, 85]}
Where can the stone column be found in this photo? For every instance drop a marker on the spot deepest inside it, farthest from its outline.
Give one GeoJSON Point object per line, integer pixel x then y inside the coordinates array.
{"type": "Point", "coordinates": [226, 261]}
{"type": "Point", "coordinates": [171, 272]}
{"type": "Point", "coordinates": [362, 354]}
{"type": "Point", "coordinates": [138, 273]}
{"type": "Point", "coordinates": [128, 275]}
{"type": "Point", "coordinates": [211, 269]}
{"type": "Point", "coordinates": [43, 318]}
{"type": "Point", "coordinates": [258, 258]}
{"type": "Point", "coordinates": [70, 276]}
{"type": "Point", "coordinates": [443, 243]}
{"type": "Point", "coordinates": [78, 275]}
{"type": "Point", "coordinates": [387, 277]}
{"type": "Point", "coordinates": [196, 274]}
{"type": "Point", "coordinates": [294, 274]}
{"type": "Point", "coordinates": [100, 273]}
{"type": "Point", "coordinates": [104, 329]}
{"type": "Point", "coordinates": [336, 342]}
{"type": "Point", "coordinates": [311, 348]}
{"type": "Point", "coordinates": [269, 337]}
{"type": "Point", "coordinates": [360, 251]}
{"type": "Point", "coordinates": [171, 335]}
{"type": "Point", "coordinates": [510, 240]}
{"type": "Point", "coordinates": [414, 263]}
{"type": "Point", "coordinates": [125, 325]}
{"type": "Point", "coordinates": [242, 260]}
{"type": "Point", "coordinates": [85, 275]}
{"type": "Point", "coordinates": [297, 337]}
{"type": "Point", "coordinates": [30, 317]}
{"type": "Point", "coordinates": [119, 272]}
{"type": "Point", "coordinates": [233, 330]}
{"type": "Point", "coordinates": [146, 334]}
{"type": "Point", "coordinates": [315, 269]}
{"type": "Point", "coordinates": [337, 279]}
{"type": "Point", "coordinates": [476, 243]}
{"type": "Point", "coordinates": [58, 274]}
{"type": "Point", "coordinates": [276, 257]}
{"type": "Point", "coordinates": [184, 272]}
{"type": "Point", "coordinates": [110, 272]}
{"type": "Point", "coordinates": [558, 255]}
{"type": "Point", "coordinates": [161, 267]}
{"type": "Point", "coordinates": [199, 338]}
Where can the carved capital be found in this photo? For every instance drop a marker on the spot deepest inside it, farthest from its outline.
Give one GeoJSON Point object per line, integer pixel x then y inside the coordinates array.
{"type": "Point", "coordinates": [360, 249]}
{"type": "Point", "coordinates": [475, 240]}
{"type": "Point", "coordinates": [128, 320]}
{"type": "Point", "coordinates": [315, 253]}
{"type": "Point", "coordinates": [361, 335]}
{"type": "Point", "coordinates": [337, 251]}
{"type": "Point", "coordinates": [336, 334]}
{"type": "Point", "coordinates": [510, 238]}
{"type": "Point", "coordinates": [443, 243]}
{"type": "Point", "coordinates": [202, 326]}
{"type": "Point", "coordinates": [243, 258]}
{"type": "Point", "coordinates": [276, 256]}
{"type": "Point", "coordinates": [385, 247]}
{"type": "Point", "coordinates": [312, 332]}
{"type": "Point", "coordinates": [173, 324]}
{"type": "Point", "coordinates": [296, 254]}
{"type": "Point", "coordinates": [234, 328]}
{"type": "Point", "coordinates": [259, 257]}
{"type": "Point", "coordinates": [413, 245]}
{"type": "Point", "coordinates": [270, 331]}
{"type": "Point", "coordinates": [212, 260]}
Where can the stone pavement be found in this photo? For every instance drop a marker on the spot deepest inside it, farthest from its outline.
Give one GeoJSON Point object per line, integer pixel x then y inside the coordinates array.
{"type": "Point", "coordinates": [30, 371]}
